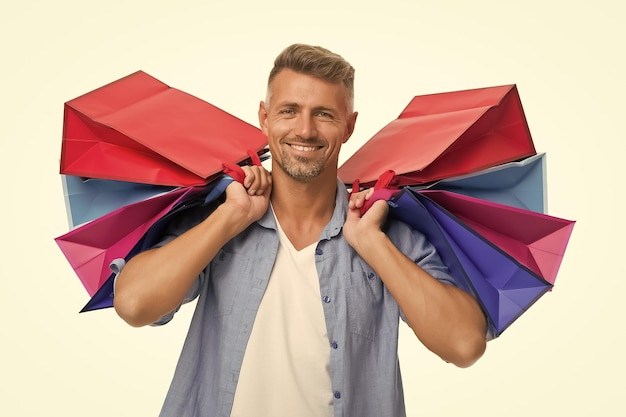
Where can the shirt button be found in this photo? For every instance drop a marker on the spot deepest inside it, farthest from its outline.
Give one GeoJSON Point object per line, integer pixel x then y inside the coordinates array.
{"type": "Point", "coordinates": [371, 276]}
{"type": "Point", "coordinates": [334, 345]}
{"type": "Point", "coordinates": [318, 251]}
{"type": "Point", "coordinates": [337, 394]}
{"type": "Point", "coordinates": [326, 299]}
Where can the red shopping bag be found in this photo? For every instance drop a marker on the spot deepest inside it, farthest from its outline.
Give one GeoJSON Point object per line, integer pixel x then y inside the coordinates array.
{"type": "Point", "coordinates": [138, 129]}
{"type": "Point", "coordinates": [444, 135]}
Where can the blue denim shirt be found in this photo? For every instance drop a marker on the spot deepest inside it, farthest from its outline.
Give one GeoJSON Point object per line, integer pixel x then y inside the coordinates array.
{"type": "Point", "coordinates": [362, 320]}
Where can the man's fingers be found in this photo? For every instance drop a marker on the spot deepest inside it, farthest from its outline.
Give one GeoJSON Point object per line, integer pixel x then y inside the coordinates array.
{"type": "Point", "coordinates": [258, 180]}
{"type": "Point", "coordinates": [357, 200]}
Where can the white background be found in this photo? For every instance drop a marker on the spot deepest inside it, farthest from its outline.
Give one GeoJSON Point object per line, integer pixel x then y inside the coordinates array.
{"type": "Point", "coordinates": [566, 57]}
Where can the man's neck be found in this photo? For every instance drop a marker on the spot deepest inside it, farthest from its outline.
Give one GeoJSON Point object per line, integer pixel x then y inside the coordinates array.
{"type": "Point", "coordinates": [303, 209]}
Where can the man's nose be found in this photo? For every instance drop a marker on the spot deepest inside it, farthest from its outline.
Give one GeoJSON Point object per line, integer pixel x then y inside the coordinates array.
{"type": "Point", "coordinates": [305, 126]}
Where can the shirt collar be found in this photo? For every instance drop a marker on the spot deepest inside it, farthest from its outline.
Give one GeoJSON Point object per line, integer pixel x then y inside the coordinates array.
{"type": "Point", "coordinates": [333, 227]}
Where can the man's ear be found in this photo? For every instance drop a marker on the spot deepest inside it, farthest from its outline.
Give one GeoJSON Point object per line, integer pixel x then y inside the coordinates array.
{"type": "Point", "coordinates": [263, 118]}
{"type": "Point", "coordinates": [351, 125]}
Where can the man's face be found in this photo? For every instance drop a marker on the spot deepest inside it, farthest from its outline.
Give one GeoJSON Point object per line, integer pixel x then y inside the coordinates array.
{"type": "Point", "coordinates": [306, 122]}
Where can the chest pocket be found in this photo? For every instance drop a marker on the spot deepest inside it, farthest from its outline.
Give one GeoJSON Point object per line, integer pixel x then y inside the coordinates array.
{"type": "Point", "coordinates": [227, 271]}
{"type": "Point", "coordinates": [370, 307]}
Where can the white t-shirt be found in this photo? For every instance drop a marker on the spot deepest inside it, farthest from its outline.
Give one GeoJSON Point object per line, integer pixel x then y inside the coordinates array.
{"type": "Point", "coordinates": [285, 370]}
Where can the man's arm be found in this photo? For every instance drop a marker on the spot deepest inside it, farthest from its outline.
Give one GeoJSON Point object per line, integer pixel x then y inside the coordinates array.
{"type": "Point", "coordinates": [447, 320]}
{"type": "Point", "coordinates": [155, 282]}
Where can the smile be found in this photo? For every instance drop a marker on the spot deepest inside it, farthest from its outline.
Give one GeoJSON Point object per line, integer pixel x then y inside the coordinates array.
{"type": "Point", "coordinates": [305, 148]}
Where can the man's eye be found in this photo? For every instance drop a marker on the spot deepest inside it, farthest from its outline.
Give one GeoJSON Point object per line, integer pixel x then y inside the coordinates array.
{"type": "Point", "coordinates": [324, 114]}
{"type": "Point", "coordinates": [287, 111]}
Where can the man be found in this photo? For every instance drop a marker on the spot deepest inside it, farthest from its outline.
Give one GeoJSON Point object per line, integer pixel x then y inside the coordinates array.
{"type": "Point", "coordinates": [299, 296]}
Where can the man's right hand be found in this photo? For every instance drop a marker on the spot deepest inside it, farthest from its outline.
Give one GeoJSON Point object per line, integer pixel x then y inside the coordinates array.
{"type": "Point", "coordinates": [249, 201]}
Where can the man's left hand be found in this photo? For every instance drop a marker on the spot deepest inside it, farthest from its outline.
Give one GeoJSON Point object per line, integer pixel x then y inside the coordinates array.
{"type": "Point", "coordinates": [360, 230]}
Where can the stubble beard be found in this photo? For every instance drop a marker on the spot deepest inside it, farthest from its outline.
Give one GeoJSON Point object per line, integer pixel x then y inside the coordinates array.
{"type": "Point", "coordinates": [301, 169]}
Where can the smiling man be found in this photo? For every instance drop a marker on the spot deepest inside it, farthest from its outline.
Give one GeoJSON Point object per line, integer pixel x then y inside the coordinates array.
{"type": "Point", "coordinates": [299, 297]}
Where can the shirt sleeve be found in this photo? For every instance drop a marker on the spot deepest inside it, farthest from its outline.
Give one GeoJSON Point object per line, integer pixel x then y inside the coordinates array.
{"type": "Point", "coordinates": [417, 248]}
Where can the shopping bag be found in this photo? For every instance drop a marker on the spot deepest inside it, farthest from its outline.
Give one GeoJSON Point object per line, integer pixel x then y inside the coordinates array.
{"type": "Point", "coordinates": [206, 200]}
{"type": "Point", "coordinates": [485, 263]}
{"type": "Point", "coordinates": [519, 184]}
{"type": "Point", "coordinates": [138, 129]}
{"type": "Point", "coordinates": [536, 240]}
{"type": "Point", "coordinates": [87, 199]}
{"type": "Point", "coordinates": [445, 135]}
{"type": "Point", "coordinates": [91, 248]}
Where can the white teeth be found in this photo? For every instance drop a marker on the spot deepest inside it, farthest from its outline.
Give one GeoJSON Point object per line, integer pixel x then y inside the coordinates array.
{"type": "Point", "coordinates": [304, 148]}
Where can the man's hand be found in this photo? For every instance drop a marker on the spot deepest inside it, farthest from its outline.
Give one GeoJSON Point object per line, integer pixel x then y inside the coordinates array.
{"type": "Point", "coordinates": [248, 202]}
{"type": "Point", "coordinates": [361, 229]}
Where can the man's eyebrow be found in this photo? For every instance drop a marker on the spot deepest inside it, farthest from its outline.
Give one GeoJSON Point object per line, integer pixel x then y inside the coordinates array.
{"type": "Point", "coordinates": [325, 108]}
